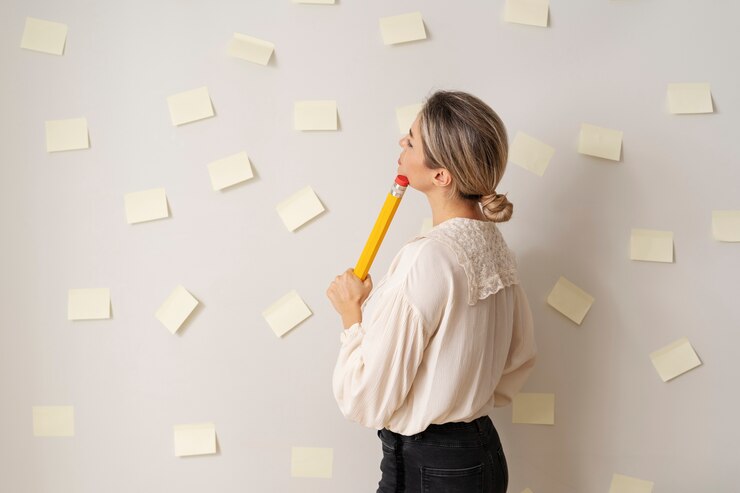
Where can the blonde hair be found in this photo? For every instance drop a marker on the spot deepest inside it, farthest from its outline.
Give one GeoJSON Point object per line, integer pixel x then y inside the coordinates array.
{"type": "Point", "coordinates": [464, 135]}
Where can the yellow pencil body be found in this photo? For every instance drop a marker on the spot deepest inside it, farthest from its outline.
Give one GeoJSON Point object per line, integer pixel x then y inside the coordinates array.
{"type": "Point", "coordinates": [380, 228]}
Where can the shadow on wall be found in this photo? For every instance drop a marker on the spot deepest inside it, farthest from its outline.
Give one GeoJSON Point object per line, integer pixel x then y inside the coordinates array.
{"type": "Point", "coordinates": [580, 364]}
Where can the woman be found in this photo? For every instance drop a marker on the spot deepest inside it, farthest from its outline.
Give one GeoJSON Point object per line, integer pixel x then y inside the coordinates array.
{"type": "Point", "coordinates": [447, 333]}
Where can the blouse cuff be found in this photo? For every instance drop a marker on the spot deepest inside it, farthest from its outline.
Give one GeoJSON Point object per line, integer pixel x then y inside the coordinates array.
{"type": "Point", "coordinates": [354, 330]}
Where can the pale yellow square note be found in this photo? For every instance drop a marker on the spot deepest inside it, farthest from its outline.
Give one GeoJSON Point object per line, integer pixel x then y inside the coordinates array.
{"type": "Point", "coordinates": [311, 462]}
{"type": "Point", "coordinates": [66, 135]}
{"type": "Point", "coordinates": [190, 106]}
{"type": "Point", "coordinates": [534, 409]}
{"type": "Point", "coordinates": [230, 171]}
{"type": "Point", "coordinates": [627, 484]}
{"type": "Point", "coordinates": [675, 359]}
{"type": "Point", "coordinates": [402, 28]}
{"type": "Point", "coordinates": [530, 12]}
{"type": "Point", "coordinates": [315, 115]}
{"type": "Point", "coordinates": [44, 36]}
{"type": "Point", "coordinates": [299, 208]}
{"type": "Point", "coordinates": [251, 49]}
{"type": "Point", "coordinates": [726, 225]}
{"type": "Point", "coordinates": [651, 245]}
{"type": "Point", "coordinates": [53, 421]}
{"type": "Point", "coordinates": [406, 116]}
{"type": "Point", "coordinates": [600, 142]}
{"type": "Point", "coordinates": [570, 300]}
{"type": "Point", "coordinates": [147, 205]}
{"type": "Point", "coordinates": [690, 98]}
{"type": "Point", "coordinates": [317, 2]}
{"type": "Point", "coordinates": [195, 439]}
{"type": "Point", "coordinates": [88, 304]}
{"type": "Point", "coordinates": [176, 308]}
{"type": "Point", "coordinates": [530, 153]}
{"type": "Point", "coordinates": [286, 313]}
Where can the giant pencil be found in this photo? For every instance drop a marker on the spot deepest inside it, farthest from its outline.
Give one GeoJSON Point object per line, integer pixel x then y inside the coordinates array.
{"type": "Point", "coordinates": [381, 226]}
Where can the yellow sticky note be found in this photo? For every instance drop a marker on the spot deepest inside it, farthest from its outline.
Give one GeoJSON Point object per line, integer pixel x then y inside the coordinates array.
{"type": "Point", "coordinates": [299, 208]}
{"type": "Point", "coordinates": [230, 171]}
{"type": "Point", "coordinates": [651, 245]}
{"type": "Point", "coordinates": [530, 153]}
{"type": "Point", "coordinates": [627, 484]}
{"type": "Point", "coordinates": [726, 225]}
{"type": "Point", "coordinates": [286, 313]}
{"type": "Point", "coordinates": [66, 135]}
{"type": "Point", "coordinates": [53, 421]}
{"type": "Point", "coordinates": [190, 106]}
{"type": "Point", "coordinates": [530, 12]}
{"type": "Point", "coordinates": [195, 439]}
{"type": "Point", "coordinates": [147, 205]}
{"type": "Point", "coordinates": [44, 36]}
{"type": "Point", "coordinates": [251, 49]}
{"type": "Point", "coordinates": [315, 115]}
{"type": "Point", "coordinates": [317, 2]}
{"type": "Point", "coordinates": [533, 409]}
{"type": "Point", "coordinates": [402, 28]}
{"type": "Point", "coordinates": [600, 142]}
{"type": "Point", "coordinates": [406, 116]}
{"type": "Point", "coordinates": [426, 225]}
{"type": "Point", "coordinates": [88, 304]}
{"type": "Point", "coordinates": [570, 300]}
{"type": "Point", "coordinates": [526, 490]}
{"type": "Point", "coordinates": [690, 98]}
{"type": "Point", "coordinates": [675, 359]}
{"type": "Point", "coordinates": [176, 308]}
{"type": "Point", "coordinates": [311, 462]}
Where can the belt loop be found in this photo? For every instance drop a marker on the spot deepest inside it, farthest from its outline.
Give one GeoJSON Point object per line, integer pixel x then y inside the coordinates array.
{"type": "Point", "coordinates": [484, 438]}
{"type": "Point", "coordinates": [400, 470]}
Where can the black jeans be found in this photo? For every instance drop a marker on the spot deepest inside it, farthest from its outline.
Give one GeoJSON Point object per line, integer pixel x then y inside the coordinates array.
{"type": "Point", "coordinates": [450, 458]}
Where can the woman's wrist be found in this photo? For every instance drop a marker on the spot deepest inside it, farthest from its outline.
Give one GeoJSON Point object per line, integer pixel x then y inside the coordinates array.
{"type": "Point", "coordinates": [351, 316]}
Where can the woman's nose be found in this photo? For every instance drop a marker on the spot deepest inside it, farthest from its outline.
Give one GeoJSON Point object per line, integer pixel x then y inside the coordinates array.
{"type": "Point", "coordinates": [400, 142]}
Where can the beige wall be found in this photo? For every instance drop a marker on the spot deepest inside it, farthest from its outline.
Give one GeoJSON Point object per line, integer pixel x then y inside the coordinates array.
{"type": "Point", "coordinates": [63, 226]}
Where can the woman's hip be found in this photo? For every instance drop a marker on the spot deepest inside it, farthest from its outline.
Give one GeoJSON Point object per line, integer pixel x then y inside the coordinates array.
{"type": "Point", "coordinates": [464, 457]}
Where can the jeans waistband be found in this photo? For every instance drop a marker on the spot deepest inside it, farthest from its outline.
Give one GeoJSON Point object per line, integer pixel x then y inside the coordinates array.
{"type": "Point", "coordinates": [478, 424]}
{"type": "Point", "coordinates": [482, 424]}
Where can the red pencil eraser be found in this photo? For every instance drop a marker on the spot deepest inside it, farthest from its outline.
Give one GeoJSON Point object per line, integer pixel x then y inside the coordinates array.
{"type": "Point", "coordinates": [402, 180]}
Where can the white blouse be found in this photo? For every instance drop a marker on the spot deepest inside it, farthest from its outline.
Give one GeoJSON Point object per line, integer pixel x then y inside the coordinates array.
{"type": "Point", "coordinates": [446, 334]}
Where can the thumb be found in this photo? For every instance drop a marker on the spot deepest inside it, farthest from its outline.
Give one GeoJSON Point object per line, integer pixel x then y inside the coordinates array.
{"type": "Point", "coordinates": [368, 282]}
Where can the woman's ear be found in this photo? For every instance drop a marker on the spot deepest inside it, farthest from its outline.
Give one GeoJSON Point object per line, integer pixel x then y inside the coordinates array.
{"type": "Point", "coordinates": [442, 177]}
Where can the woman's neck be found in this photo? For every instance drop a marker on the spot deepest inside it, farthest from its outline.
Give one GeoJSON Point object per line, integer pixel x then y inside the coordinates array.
{"type": "Point", "coordinates": [444, 208]}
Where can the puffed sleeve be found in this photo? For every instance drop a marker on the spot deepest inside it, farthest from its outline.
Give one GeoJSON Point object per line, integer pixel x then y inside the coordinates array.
{"type": "Point", "coordinates": [522, 351]}
{"type": "Point", "coordinates": [380, 356]}
{"type": "Point", "coordinates": [378, 361]}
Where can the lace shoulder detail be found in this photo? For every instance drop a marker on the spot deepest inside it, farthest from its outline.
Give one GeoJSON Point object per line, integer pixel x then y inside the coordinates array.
{"type": "Point", "coordinates": [480, 249]}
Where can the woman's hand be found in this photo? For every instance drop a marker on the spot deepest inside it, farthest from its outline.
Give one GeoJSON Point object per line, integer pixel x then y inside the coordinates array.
{"type": "Point", "coordinates": [347, 293]}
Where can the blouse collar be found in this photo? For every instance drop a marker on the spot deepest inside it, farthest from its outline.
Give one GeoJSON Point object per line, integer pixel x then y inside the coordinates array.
{"type": "Point", "coordinates": [480, 249]}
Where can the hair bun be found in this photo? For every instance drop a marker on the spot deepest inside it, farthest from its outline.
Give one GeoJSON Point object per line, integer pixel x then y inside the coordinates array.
{"type": "Point", "coordinates": [496, 207]}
